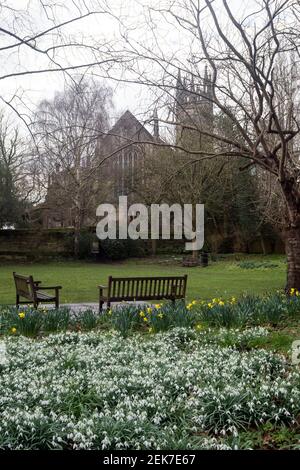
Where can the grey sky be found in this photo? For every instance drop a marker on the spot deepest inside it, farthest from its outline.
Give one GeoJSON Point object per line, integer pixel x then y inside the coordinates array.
{"type": "Point", "coordinates": [29, 17]}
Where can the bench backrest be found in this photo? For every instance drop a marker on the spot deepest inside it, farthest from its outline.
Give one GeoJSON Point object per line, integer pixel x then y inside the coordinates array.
{"type": "Point", "coordinates": [146, 288]}
{"type": "Point", "coordinates": [24, 286]}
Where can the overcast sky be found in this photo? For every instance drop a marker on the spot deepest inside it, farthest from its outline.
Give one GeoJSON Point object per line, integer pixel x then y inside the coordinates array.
{"type": "Point", "coordinates": [29, 17]}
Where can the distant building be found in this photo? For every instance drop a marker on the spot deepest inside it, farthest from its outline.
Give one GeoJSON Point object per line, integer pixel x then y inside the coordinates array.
{"type": "Point", "coordinates": [126, 146]}
{"type": "Point", "coordinates": [122, 153]}
{"type": "Point", "coordinates": [123, 150]}
{"type": "Point", "coordinates": [194, 111]}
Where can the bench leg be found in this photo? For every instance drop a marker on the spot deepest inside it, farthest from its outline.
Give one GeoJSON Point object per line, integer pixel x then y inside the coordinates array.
{"type": "Point", "coordinates": [108, 305]}
{"type": "Point", "coordinates": [35, 304]}
{"type": "Point", "coordinates": [17, 300]}
{"type": "Point", "coordinates": [57, 301]}
{"type": "Point", "coordinates": [100, 299]}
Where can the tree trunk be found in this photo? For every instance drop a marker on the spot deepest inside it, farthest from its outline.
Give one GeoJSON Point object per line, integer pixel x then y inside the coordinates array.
{"type": "Point", "coordinates": [77, 228]}
{"type": "Point", "coordinates": [153, 246]}
{"type": "Point", "coordinates": [291, 234]}
{"type": "Point", "coordinates": [292, 249]}
{"type": "Point", "coordinates": [262, 243]}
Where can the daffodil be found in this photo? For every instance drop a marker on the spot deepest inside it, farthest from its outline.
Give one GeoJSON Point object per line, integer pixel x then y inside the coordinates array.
{"type": "Point", "coordinates": [13, 330]}
{"type": "Point", "coordinates": [210, 305]}
{"type": "Point", "coordinates": [160, 315]}
{"type": "Point", "coordinates": [158, 306]}
{"type": "Point", "coordinates": [21, 315]}
{"type": "Point", "coordinates": [221, 303]}
{"type": "Point", "coordinates": [199, 327]}
{"type": "Point", "coordinates": [109, 312]}
{"type": "Point", "coordinates": [150, 330]}
{"type": "Point", "coordinates": [194, 302]}
{"type": "Point", "coordinates": [149, 310]}
{"type": "Point", "coordinates": [142, 314]}
{"type": "Point", "coordinates": [145, 319]}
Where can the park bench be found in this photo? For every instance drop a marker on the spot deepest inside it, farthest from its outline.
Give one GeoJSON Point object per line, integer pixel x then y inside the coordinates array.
{"type": "Point", "coordinates": [32, 291]}
{"type": "Point", "coordinates": [142, 288]}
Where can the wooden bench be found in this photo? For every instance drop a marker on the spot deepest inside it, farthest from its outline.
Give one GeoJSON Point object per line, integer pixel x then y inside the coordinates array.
{"type": "Point", "coordinates": [32, 291]}
{"type": "Point", "coordinates": [142, 288]}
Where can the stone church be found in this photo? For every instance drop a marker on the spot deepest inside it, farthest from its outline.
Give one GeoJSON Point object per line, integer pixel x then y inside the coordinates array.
{"type": "Point", "coordinates": [194, 110]}
{"type": "Point", "coordinates": [124, 149]}
{"type": "Point", "coordinates": [121, 152]}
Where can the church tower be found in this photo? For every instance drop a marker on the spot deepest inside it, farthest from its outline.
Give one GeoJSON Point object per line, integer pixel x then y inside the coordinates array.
{"type": "Point", "coordinates": [194, 111]}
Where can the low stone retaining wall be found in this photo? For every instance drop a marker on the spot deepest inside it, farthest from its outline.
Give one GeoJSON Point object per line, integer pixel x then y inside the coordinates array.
{"type": "Point", "coordinates": [33, 244]}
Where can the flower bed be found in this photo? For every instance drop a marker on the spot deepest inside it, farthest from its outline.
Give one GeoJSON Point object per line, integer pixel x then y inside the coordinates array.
{"type": "Point", "coordinates": [172, 390]}
{"type": "Point", "coordinates": [273, 309]}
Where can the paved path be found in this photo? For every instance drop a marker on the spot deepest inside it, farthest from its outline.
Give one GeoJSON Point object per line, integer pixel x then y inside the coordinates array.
{"type": "Point", "coordinates": [92, 306]}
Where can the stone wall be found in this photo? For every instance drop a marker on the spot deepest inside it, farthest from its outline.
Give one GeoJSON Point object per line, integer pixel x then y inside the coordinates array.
{"type": "Point", "coordinates": [34, 244]}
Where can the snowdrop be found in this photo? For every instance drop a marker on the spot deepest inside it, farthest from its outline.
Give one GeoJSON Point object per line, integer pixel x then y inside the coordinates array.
{"type": "Point", "coordinates": [99, 391]}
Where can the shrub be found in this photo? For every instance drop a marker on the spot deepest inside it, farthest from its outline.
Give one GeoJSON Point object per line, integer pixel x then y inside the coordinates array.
{"type": "Point", "coordinates": [85, 244]}
{"type": "Point", "coordinates": [114, 249]}
{"type": "Point", "coordinates": [121, 249]}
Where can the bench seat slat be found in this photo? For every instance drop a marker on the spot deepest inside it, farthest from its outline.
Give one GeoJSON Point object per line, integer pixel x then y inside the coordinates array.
{"type": "Point", "coordinates": [43, 296]}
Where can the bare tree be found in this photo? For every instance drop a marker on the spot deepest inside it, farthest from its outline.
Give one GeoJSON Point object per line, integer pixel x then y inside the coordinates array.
{"type": "Point", "coordinates": [247, 53]}
{"type": "Point", "coordinates": [43, 39]}
{"type": "Point", "coordinates": [16, 176]}
{"type": "Point", "coordinates": [68, 129]}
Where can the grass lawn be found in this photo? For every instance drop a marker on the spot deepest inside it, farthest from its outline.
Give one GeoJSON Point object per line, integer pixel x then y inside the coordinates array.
{"type": "Point", "coordinates": [79, 279]}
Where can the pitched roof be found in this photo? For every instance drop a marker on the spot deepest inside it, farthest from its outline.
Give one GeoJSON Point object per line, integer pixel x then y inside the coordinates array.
{"type": "Point", "coordinates": [129, 126]}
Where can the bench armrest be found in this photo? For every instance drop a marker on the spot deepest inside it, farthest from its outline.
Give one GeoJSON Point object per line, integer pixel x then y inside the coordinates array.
{"type": "Point", "coordinates": [49, 287]}
{"type": "Point", "coordinates": [102, 287]}
{"type": "Point", "coordinates": [36, 283]}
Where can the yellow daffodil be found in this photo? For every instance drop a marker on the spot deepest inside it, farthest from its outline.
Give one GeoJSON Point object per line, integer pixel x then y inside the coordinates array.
{"type": "Point", "coordinates": [142, 314]}
{"type": "Point", "coordinates": [194, 302]}
{"type": "Point", "coordinates": [221, 303]}
{"type": "Point", "coordinates": [21, 315]}
{"type": "Point", "coordinates": [188, 307]}
{"type": "Point", "coordinates": [210, 305]}
{"type": "Point", "coordinates": [199, 327]}
{"type": "Point", "coordinates": [297, 293]}
{"type": "Point", "coordinates": [109, 312]}
{"type": "Point", "coordinates": [149, 310]}
{"type": "Point", "coordinates": [233, 300]}
{"type": "Point", "coordinates": [13, 330]}
{"type": "Point", "coordinates": [145, 319]}
{"type": "Point", "coordinates": [292, 291]}
{"type": "Point", "coordinates": [157, 306]}
{"type": "Point", "coordinates": [150, 330]}
{"type": "Point", "coordinates": [160, 315]}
